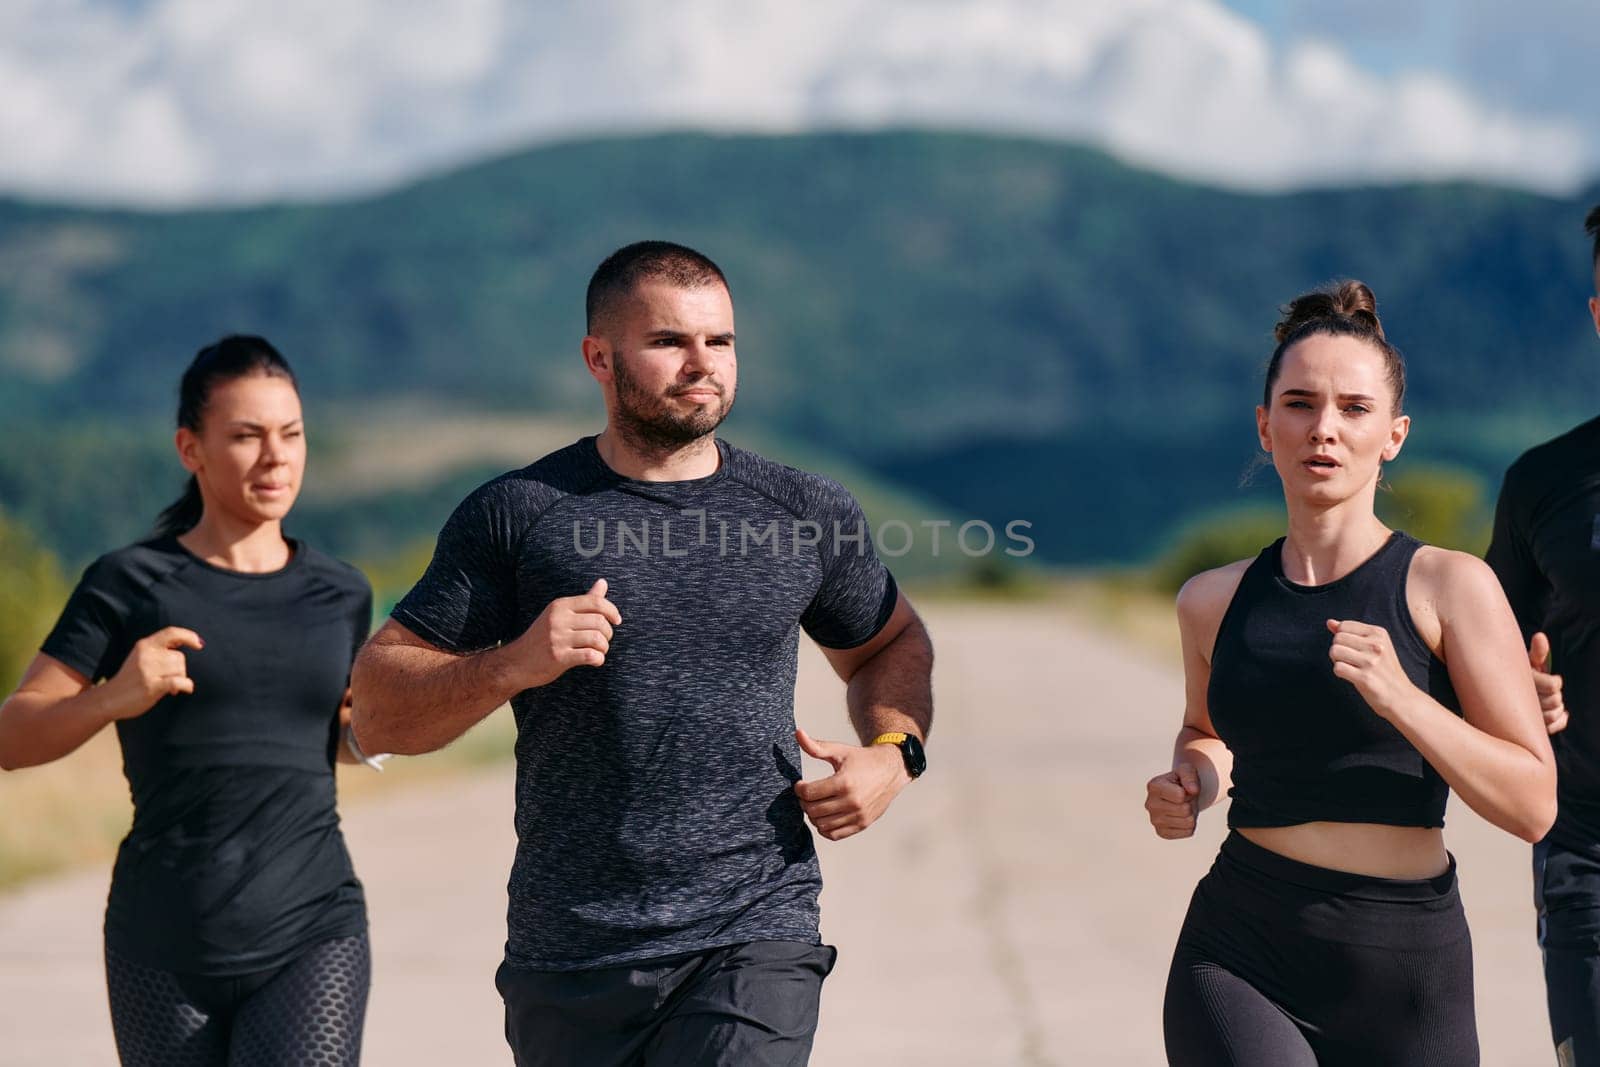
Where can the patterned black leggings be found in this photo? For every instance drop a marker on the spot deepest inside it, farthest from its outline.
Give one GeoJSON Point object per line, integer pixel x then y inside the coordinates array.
{"type": "Point", "coordinates": [307, 1012]}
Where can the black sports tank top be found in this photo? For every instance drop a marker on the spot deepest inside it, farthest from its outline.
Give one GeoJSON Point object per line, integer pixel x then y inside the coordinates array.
{"type": "Point", "coordinates": [1306, 746]}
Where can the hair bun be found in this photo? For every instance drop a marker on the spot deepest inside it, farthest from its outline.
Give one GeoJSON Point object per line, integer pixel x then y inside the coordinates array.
{"type": "Point", "coordinates": [1349, 300]}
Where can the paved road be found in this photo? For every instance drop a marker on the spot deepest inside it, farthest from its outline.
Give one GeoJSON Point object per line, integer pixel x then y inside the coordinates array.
{"type": "Point", "coordinates": [1013, 908]}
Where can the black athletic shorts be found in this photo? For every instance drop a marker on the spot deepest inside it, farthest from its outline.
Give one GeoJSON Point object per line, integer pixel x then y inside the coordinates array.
{"type": "Point", "coordinates": [749, 1005]}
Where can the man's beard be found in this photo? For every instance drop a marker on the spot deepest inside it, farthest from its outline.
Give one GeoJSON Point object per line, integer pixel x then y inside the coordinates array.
{"type": "Point", "coordinates": [647, 422]}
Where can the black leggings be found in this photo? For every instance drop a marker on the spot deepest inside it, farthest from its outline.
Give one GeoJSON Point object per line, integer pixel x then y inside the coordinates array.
{"type": "Point", "coordinates": [309, 1011]}
{"type": "Point", "coordinates": [1281, 964]}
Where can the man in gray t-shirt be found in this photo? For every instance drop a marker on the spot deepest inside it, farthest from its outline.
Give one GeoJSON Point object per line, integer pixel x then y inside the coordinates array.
{"type": "Point", "coordinates": [638, 597]}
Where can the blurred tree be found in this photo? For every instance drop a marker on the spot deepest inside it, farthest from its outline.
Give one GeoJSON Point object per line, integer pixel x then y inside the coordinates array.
{"type": "Point", "coordinates": [393, 575]}
{"type": "Point", "coordinates": [32, 591]}
{"type": "Point", "coordinates": [1440, 505]}
{"type": "Point", "coordinates": [998, 576]}
{"type": "Point", "coordinates": [1215, 539]}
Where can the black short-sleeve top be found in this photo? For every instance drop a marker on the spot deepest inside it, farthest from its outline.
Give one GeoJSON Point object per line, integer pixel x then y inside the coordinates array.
{"type": "Point", "coordinates": [235, 861]}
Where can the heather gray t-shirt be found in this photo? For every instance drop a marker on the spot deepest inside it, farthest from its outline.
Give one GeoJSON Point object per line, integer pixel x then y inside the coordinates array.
{"type": "Point", "coordinates": [655, 805]}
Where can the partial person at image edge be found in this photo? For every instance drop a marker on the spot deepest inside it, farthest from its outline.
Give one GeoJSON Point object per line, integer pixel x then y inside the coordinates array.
{"type": "Point", "coordinates": [1546, 552]}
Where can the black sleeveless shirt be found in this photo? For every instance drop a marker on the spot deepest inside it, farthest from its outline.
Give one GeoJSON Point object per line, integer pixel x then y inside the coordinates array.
{"type": "Point", "coordinates": [1306, 745]}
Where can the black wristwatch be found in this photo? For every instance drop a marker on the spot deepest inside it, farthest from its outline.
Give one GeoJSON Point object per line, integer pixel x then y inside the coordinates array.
{"type": "Point", "coordinates": [910, 751]}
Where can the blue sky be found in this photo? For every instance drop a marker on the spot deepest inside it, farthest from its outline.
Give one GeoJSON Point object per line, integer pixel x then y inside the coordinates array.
{"type": "Point", "coordinates": [1384, 37]}
{"type": "Point", "coordinates": [1541, 56]}
{"type": "Point", "coordinates": [222, 101]}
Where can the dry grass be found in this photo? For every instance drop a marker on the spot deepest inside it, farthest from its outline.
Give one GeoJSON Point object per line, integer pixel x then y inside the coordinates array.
{"type": "Point", "coordinates": [74, 811]}
{"type": "Point", "coordinates": [1127, 608]}
{"type": "Point", "coordinates": [69, 812]}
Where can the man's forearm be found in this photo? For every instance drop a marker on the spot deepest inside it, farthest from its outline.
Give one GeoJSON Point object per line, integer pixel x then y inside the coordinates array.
{"type": "Point", "coordinates": [893, 691]}
{"type": "Point", "coordinates": [411, 700]}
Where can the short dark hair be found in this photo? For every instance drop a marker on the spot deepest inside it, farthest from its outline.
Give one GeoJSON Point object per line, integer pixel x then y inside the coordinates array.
{"type": "Point", "coordinates": [1591, 226]}
{"type": "Point", "coordinates": [623, 271]}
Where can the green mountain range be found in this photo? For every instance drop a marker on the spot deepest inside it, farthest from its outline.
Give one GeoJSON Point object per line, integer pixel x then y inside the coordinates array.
{"type": "Point", "coordinates": [992, 327]}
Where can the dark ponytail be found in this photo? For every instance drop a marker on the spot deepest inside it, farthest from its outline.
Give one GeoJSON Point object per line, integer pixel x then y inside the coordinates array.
{"type": "Point", "coordinates": [1347, 309]}
{"type": "Point", "coordinates": [1591, 226]}
{"type": "Point", "coordinates": [183, 514]}
{"type": "Point", "coordinates": [235, 356]}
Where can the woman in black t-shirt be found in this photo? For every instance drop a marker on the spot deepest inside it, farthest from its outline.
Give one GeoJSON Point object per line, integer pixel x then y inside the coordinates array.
{"type": "Point", "coordinates": [235, 928]}
{"type": "Point", "coordinates": [1343, 681]}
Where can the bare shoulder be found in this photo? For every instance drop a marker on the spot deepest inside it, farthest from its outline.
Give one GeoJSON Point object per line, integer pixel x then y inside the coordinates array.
{"type": "Point", "coordinates": [1447, 582]}
{"type": "Point", "coordinates": [1204, 599]}
{"type": "Point", "coordinates": [1210, 592]}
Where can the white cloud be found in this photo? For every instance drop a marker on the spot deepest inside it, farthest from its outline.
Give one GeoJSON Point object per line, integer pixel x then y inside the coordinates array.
{"type": "Point", "coordinates": [173, 101]}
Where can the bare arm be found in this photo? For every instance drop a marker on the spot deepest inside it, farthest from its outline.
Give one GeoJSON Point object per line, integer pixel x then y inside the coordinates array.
{"type": "Point", "coordinates": [55, 710]}
{"type": "Point", "coordinates": [889, 680]}
{"type": "Point", "coordinates": [1201, 764]}
{"type": "Point", "coordinates": [888, 690]}
{"type": "Point", "coordinates": [413, 697]}
{"type": "Point", "coordinates": [1496, 755]}
{"type": "Point", "coordinates": [52, 713]}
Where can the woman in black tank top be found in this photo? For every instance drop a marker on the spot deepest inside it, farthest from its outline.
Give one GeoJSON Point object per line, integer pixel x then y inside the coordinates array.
{"type": "Point", "coordinates": [235, 929]}
{"type": "Point", "coordinates": [1337, 686]}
